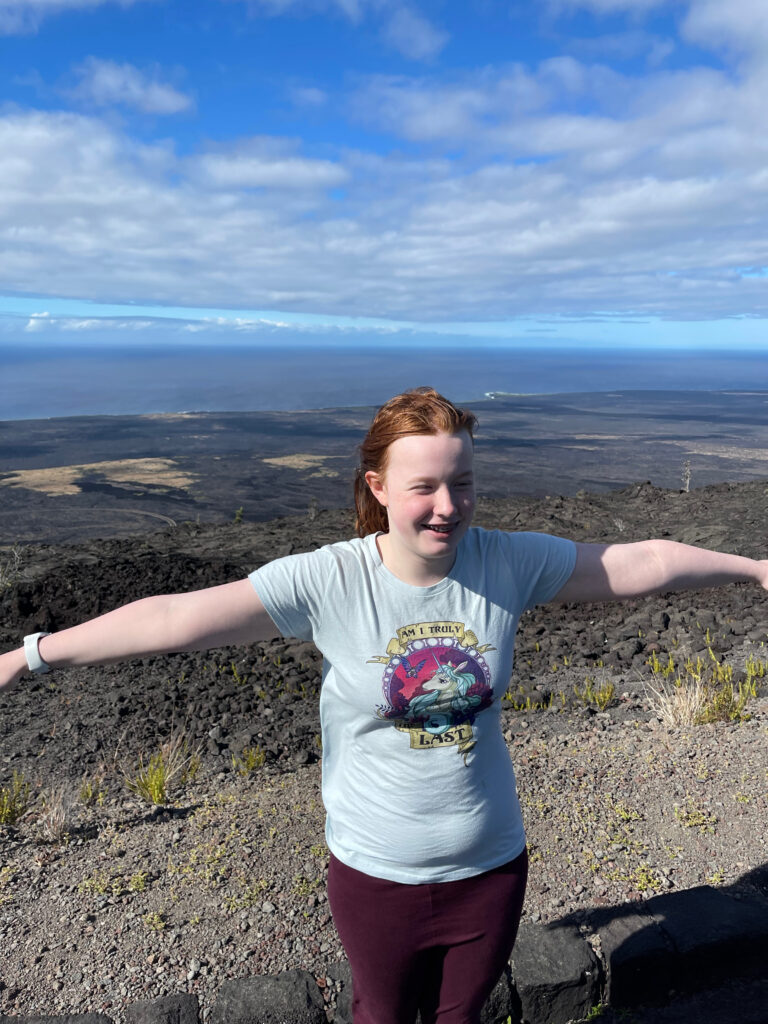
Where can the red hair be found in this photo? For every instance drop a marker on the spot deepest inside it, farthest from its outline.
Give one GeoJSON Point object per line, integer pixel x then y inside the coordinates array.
{"type": "Point", "coordinates": [417, 411]}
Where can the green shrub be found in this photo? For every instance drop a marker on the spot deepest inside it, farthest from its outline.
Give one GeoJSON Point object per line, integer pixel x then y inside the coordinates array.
{"type": "Point", "coordinates": [14, 800]}
{"type": "Point", "coordinates": [168, 768]}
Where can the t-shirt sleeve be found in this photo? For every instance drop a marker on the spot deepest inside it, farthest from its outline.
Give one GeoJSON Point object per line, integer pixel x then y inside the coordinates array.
{"type": "Point", "coordinates": [539, 565]}
{"type": "Point", "coordinates": [292, 590]}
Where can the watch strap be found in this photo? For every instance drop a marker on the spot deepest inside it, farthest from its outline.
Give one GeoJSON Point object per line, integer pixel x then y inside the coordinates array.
{"type": "Point", "coordinates": [32, 652]}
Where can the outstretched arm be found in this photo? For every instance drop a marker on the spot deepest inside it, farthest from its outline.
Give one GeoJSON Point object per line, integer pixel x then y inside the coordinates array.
{"type": "Point", "coordinates": [215, 617]}
{"type": "Point", "coordinates": [611, 572]}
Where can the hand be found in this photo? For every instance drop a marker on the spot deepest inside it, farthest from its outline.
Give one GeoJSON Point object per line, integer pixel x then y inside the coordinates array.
{"type": "Point", "coordinates": [763, 573]}
{"type": "Point", "coordinates": [13, 665]}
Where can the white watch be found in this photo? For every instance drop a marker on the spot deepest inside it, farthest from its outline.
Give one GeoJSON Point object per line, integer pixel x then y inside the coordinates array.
{"type": "Point", "coordinates": [34, 661]}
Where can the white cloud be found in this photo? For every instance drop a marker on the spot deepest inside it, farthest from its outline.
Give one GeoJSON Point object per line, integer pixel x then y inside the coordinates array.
{"type": "Point", "coordinates": [19, 16]}
{"type": "Point", "coordinates": [664, 124]}
{"type": "Point", "coordinates": [740, 25]}
{"type": "Point", "coordinates": [106, 83]}
{"type": "Point", "coordinates": [218, 326]}
{"type": "Point", "coordinates": [351, 8]}
{"type": "Point", "coordinates": [402, 27]}
{"type": "Point", "coordinates": [625, 45]}
{"type": "Point", "coordinates": [38, 322]}
{"type": "Point", "coordinates": [308, 96]}
{"type": "Point", "coordinates": [489, 107]}
{"type": "Point", "coordinates": [412, 35]}
{"type": "Point", "coordinates": [45, 322]}
{"type": "Point", "coordinates": [266, 163]}
{"type": "Point", "coordinates": [609, 6]}
{"type": "Point", "coordinates": [426, 110]}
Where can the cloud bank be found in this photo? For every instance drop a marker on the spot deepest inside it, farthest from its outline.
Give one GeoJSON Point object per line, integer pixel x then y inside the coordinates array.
{"type": "Point", "coordinates": [562, 187]}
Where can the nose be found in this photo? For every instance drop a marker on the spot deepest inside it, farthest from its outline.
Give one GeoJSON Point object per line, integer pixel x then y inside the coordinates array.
{"type": "Point", "coordinates": [445, 502]}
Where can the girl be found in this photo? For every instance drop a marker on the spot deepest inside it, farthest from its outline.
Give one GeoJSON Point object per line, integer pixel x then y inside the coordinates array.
{"type": "Point", "coordinates": [416, 619]}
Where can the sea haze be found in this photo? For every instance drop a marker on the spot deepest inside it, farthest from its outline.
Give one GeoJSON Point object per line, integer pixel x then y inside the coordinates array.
{"type": "Point", "coordinates": [38, 381]}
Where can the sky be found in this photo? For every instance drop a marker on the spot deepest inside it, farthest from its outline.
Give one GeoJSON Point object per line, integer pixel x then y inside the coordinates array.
{"type": "Point", "coordinates": [536, 172]}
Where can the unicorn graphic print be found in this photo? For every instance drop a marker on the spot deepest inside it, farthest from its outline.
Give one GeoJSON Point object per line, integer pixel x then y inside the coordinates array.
{"type": "Point", "coordinates": [435, 682]}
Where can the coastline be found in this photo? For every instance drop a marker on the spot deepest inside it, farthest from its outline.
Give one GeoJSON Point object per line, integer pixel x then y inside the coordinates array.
{"type": "Point", "coordinates": [131, 379]}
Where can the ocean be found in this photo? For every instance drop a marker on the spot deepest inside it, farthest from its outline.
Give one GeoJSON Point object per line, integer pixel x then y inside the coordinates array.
{"type": "Point", "coordinates": [40, 382]}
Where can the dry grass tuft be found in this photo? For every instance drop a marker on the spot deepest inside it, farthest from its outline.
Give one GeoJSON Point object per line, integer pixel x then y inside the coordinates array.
{"type": "Point", "coordinates": [676, 704]}
{"type": "Point", "coordinates": [10, 567]}
{"type": "Point", "coordinates": [57, 815]}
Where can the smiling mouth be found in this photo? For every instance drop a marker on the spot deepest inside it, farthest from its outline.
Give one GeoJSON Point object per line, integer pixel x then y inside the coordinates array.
{"type": "Point", "coordinates": [437, 528]}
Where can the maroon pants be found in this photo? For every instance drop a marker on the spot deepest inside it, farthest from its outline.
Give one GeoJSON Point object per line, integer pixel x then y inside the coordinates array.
{"type": "Point", "coordinates": [438, 948]}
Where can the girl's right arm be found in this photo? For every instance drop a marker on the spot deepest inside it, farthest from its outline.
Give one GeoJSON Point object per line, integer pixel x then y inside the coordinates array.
{"type": "Point", "coordinates": [196, 621]}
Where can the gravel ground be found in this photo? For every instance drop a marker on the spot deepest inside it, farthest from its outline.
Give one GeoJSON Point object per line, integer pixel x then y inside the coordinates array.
{"type": "Point", "coordinates": [138, 903]}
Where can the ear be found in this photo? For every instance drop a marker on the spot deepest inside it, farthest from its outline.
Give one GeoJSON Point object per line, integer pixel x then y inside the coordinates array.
{"type": "Point", "coordinates": [377, 486]}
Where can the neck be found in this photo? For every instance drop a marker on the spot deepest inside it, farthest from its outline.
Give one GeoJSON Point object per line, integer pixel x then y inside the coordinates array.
{"type": "Point", "coordinates": [416, 572]}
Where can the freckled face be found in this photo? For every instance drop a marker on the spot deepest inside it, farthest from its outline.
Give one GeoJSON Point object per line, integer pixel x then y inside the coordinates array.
{"type": "Point", "coordinates": [428, 490]}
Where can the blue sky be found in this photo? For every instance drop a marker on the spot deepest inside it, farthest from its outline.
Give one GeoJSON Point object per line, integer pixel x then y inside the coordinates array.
{"type": "Point", "coordinates": [585, 171]}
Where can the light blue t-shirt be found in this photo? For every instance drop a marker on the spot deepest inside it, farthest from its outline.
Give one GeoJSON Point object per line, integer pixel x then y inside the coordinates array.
{"type": "Point", "coordinates": [418, 784]}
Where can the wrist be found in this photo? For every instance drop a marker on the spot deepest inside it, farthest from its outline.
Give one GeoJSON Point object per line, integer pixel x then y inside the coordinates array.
{"type": "Point", "coordinates": [34, 659]}
{"type": "Point", "coordinates": [14, 666]}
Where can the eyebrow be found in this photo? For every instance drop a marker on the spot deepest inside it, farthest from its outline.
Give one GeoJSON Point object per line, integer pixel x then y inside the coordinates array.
{"type": "Point", "coordinates": [467, 474]}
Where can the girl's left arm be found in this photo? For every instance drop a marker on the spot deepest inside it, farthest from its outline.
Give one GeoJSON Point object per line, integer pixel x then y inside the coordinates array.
{"type": "Point", "coordinates": [612, 572]}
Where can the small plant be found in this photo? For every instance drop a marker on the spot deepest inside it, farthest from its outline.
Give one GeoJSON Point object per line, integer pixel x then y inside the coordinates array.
{"type": "Point", "coordinates": [727, 704]}
{"type": "Point", "coordinates": [657, 668]}
{"type": "Point", "coordinates": [92, 791]}
{"type": "Point", "coordinates": [239, 679]}
{"type": "Point", "coordinates": [251, 759]}
{"type": "Point", "coordinates": [645, 879]}
{"type": "Point", "coordinates": [100, 884]}
{"type": "Point", "coordinates": [14, 800]}
{"type": "Point", "coordinates": [595, 1012]}
{"type": "Point", "coordinates": [170, 766]}
{"type": "Point", "coordinates": [517, 703]}
{"type": "Point", "coordinates": [303, 886]}
{"type": "Point", "coordinates": [238, 515]}
{"type": "Point", "coordinates": [691, 816]}
{"type": "Point", "coordinates": [155, 921]}
{"type": "Point", "coordinates": [138, 882]}
{"type": "Point", "coordinates": [6, 877]}
{"type": "Point", "coordinates": [600, 695]}
{"type": "Point", "coordinates": [251, 896]}
{"type": "Point", "coordinates": [624, 812]}
{"type": "Point", "coordinates": [754, 668]}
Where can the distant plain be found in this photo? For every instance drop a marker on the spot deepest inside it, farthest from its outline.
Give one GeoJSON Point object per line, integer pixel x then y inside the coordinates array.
{"type": "Point", "coordinates": [67, 479]}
